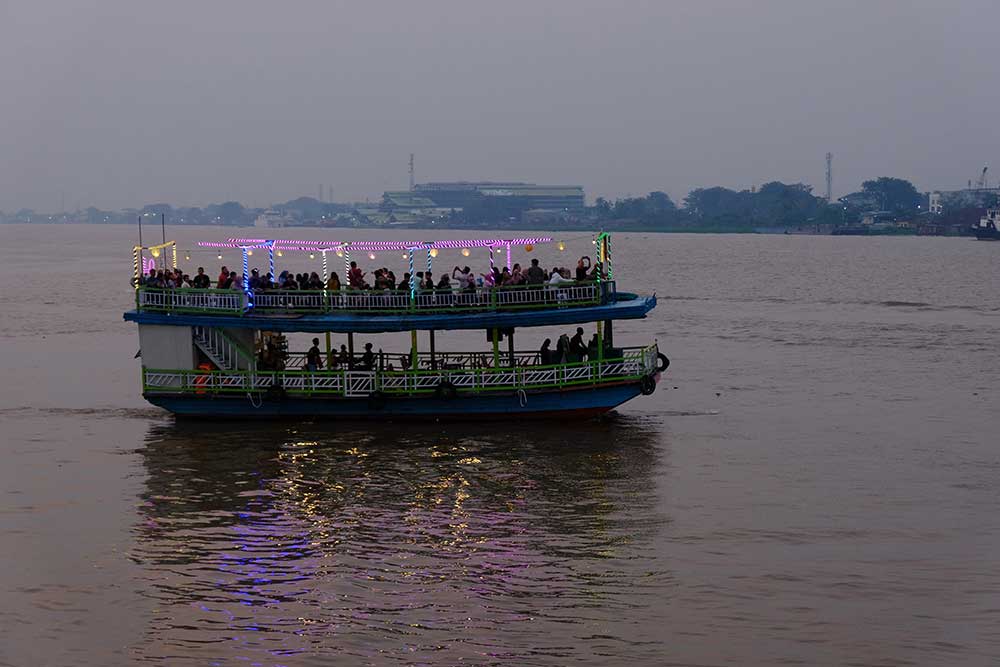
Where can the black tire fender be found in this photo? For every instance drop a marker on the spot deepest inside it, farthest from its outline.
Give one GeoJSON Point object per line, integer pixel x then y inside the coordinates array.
{"type": "Point", "coordinates": [664, 362]}
{"type": "Point", "coordinates": [445, 390]}
{"type": "Point", "coordinates": [377, 400]}
{"type": "Point", "coordinates": [647, 385]}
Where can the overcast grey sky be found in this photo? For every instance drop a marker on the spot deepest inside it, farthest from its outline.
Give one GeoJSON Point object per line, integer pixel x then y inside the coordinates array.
{"type": "Point", "coordinates": [123, 102]}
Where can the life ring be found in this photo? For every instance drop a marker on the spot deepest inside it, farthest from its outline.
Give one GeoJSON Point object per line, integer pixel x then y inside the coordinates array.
{"type": "Point", "coordinates": [445, 390]}
{"type": "Point", "coordinates": [647, 385]}
{"type": "Point", "coordinates": [201, 380]}
{"type": "Point", "coordinates": [376, 400]}
{"type": "Point", "coordinates": [664, 362]}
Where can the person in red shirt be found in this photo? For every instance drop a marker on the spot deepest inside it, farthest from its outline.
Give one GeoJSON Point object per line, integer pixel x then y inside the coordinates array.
{"type": "Point", "coordinates": [222, 278]}
{"type": "Point", "coordinates": [355, 277]}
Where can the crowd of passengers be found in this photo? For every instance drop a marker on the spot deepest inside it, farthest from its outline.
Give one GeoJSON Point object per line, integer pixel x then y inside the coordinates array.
{"type": "Point", "coordinates": [568, 350]}
{"type": "Point", "coordinates": [461, 279]}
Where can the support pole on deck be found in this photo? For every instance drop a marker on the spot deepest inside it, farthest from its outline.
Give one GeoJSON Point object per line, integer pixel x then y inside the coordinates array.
{"type": "Point", "coordinates": [433, 358]}
{"type": "Point", "coordinates": [600, 342]}
{"type": "Point", "coordinates": [246, 280]}
{"type": "Point", "coordinates": [329, 357]}
{"type": "Point", "coordinates": [496, 341]}
{"type": "Point", "coordinates": [413, 350]}
{"type": "Point", "coordinates": [413, 278]}
{"type": "Point", "coordinates": [510, 348]}
{"type": "Point", "coordinates": [350, 351]}
{"type": "Point", "coordinates": [136, 270]}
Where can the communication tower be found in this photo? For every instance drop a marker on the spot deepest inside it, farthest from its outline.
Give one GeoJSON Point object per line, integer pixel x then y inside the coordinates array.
{"type": "Point", "coordinates": [411, 172]}
{"type": "Point", "coordinates": [829, 177]}
{"type": "Point", "coordinates": [981, 183]}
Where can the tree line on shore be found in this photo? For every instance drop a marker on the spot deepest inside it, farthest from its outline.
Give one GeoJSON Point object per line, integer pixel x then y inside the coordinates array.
{"type": "Point", "coordinates": [774, 204]}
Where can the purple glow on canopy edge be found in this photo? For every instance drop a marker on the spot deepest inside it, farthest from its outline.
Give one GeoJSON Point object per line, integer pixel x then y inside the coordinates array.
{"type": "Point", "coordinates": [210, 244]}
{"type": "Point", "coordinates": [444, 244]}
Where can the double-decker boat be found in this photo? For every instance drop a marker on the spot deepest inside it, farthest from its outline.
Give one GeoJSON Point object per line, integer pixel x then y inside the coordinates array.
{"type": "Point", "coordinates": [209, 352]}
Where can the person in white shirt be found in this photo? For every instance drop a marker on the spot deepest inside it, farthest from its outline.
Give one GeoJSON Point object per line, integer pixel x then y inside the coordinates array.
{"type": "Point", "coordinates": [557, 278]}
{"type": "Point", "coordinates": [464, 278]}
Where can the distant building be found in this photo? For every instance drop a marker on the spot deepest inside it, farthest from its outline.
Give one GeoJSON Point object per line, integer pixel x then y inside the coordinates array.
{"type": "Point", "coordinates": [271, 218]}
{"type": "Point", "coordinates": [934, 203]}
{"type": "Point", "coordinates": [513, 198]}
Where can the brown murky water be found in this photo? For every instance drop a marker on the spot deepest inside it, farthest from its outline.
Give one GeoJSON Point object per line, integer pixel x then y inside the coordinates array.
{"type": "Point", "coordinates": [815, 483]}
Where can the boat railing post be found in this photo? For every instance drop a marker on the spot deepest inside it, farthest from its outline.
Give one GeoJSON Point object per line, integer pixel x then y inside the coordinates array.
{"type": "Point", "coordinates": [433, 357]}
{"type": "Point", "coordinates": [496, 347]}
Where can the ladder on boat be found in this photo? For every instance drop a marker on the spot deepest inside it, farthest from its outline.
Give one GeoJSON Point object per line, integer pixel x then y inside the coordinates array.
{"type": "Point", "coordinates": [223, 351]}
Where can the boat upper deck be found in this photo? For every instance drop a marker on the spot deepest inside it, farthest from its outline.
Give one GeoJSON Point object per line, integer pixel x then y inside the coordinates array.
{"type": "Point", "coordinates": [506, 299]}
{"type": "Point", "coordinates": [436, 316]}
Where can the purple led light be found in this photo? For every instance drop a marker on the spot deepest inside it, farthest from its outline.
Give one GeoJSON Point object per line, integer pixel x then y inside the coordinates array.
{"type": "Point", "coordinates": [210, 244]}
{"type": "Point", "coordinates": [375, 246]}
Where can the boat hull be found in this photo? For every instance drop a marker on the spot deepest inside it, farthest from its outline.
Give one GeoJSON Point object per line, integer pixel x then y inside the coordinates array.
{"type": "Point", "coordinates": [578, 403]}
{"type": "Point", "coordinates": [987, 234]}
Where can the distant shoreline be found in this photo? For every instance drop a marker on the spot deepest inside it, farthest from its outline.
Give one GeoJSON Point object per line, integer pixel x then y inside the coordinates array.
{"type": "Point", "coordinates": [632, 229]}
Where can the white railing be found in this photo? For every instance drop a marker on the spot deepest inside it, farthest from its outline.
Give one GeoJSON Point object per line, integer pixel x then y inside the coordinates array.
{"type": "Point", "coordinates": [633, 364]}
{"type": "Point", "coordinates": [290, 301]}
{"type": "Point", "coordinates": [453, 361]}
{"type": "Point", "coordinates": [349, 300]}
{"type": "Point", "coordinates": [194, 300]}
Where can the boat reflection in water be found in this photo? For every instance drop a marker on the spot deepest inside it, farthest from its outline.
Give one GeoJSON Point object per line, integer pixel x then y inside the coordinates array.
{"type": "Point", "coordinates": [484, 544]}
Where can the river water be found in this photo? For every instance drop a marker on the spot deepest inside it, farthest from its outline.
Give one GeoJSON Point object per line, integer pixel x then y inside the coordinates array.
{"type": "Point", "coordinates": [815, 482]}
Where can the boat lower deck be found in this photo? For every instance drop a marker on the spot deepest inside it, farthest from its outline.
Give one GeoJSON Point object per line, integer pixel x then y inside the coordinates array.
{"type": "Point", "coordinates": [577, 402]}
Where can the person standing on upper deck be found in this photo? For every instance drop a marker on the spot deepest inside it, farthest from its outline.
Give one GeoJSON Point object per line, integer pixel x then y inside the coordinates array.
{"type": "Point", "coordinates": [466, 281]}
{"type": "Point", "coordinates": [355, 276]}
{"type": "Point", "coordinates": [201, 281]}
{"type": "Point", "coordinates": [535, 274]}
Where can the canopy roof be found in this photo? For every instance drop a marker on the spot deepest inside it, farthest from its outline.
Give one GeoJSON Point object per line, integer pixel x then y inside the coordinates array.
{"type": "Point", "coordinates": [322, 246]}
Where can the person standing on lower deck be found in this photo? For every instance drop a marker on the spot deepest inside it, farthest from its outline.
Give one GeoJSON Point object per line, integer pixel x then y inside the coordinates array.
{"type": "Point", "coordinates": [314, 359]}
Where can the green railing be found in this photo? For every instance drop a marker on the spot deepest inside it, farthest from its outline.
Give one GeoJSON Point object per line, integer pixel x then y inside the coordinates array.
{"type": "Point", "coordinates": [632, 365]}
{"type": "Point", "coordinates": [298, 302]}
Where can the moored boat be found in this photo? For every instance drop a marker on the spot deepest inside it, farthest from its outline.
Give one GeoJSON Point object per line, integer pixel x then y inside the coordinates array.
{"type": "Point", "coordinates": [988, 228]}
{"type": "Point", "coordinates": [209, 352]}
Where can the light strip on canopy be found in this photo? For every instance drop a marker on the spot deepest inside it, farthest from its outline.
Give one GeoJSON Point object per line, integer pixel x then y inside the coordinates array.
{"type": "Point", "coordinates": [243, 246]}
{"type": "Point", "coordinates": [443, 244]}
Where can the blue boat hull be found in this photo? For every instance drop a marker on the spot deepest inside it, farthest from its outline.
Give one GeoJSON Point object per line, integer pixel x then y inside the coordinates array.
{"type": "Point", "coordinates": [585, 402]}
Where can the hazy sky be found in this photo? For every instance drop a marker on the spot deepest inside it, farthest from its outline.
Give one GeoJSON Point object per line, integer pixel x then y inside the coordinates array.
{"type": "Point", "coordinates": [120, 103]}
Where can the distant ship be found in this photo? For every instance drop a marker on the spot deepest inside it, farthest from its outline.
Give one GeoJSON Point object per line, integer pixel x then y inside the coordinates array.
{"type": "Point", "coordinates": [271, 218]}
{"type": "Point", "coordinates": [851, 230]}
{"type": "Point", "coordinates": [987, 229]}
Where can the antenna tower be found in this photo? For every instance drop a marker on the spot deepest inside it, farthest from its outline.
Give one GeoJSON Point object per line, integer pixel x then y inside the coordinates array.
{"type": "Point", "coordinates": [411, 172]}
{"type": "Point", "coordinates": [829, 177]}
{"type": "Point", "coordinates": [981, 183]}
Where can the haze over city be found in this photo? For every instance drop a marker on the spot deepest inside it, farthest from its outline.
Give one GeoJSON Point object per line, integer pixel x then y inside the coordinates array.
{"type": "Point", "coordinates": [117, 104]}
